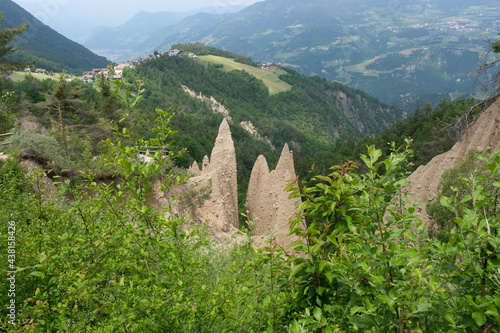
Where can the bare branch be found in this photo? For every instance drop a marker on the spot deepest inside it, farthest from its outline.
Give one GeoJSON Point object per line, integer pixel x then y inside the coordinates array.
{"type": "Point", "coordinates": [462, 123]}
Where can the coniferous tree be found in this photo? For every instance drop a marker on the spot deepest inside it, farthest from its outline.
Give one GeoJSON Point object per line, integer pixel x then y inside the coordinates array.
{"type": "Point", "coordinates": [6, 36]}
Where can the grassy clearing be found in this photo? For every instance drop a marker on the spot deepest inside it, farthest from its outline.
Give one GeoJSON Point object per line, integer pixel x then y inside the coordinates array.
{"type": "Point", "coordinates": [270, 78]}
{"type": "Point", "coordinates": [19, 76]}
{"type": "Point", "coordinates": [361, 67]}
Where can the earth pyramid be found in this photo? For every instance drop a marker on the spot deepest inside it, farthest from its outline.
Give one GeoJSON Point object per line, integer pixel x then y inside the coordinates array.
{"type": "Point", "coordinates": [268, 201]}
{"type": "Point", "coordinates": [219, 174]}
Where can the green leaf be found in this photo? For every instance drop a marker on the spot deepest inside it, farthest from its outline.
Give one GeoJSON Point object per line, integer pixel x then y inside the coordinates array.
{"type": "Point", "coordinates": [451, 319]}
{"type": "Point", "coordinates": [355, 309]}
{"type": "Point", "coordinates": [296, 269]}
{"type": "Point", "coordinates": [374, 153]}
{"type": "Point", "coordinates": [326, 179]}
{"type": "Point", "coordinates": [317, 313]}
{"type": "Point", "coordinates": [446, 202]}
{"type": "Point", "coordinates": [294, 244]}
{"type": "Point", "coordinates": [479, 317]}
{"type": "Point", "coordinates": [38, 274]}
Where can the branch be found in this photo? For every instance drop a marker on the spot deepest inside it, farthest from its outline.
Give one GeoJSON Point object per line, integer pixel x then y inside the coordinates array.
{"type": "Point", "coordinates": [462, 123]}
{"type": "Point", "coordinates": [5, 134]}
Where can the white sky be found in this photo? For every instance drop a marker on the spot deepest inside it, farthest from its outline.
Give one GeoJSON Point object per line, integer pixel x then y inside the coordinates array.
{"type": "Point", "coordinates": [69, 16]}
{"type": "Point", "coordinates": [128, 6]}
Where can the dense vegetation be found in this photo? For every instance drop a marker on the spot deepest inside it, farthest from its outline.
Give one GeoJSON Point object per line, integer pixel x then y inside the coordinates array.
{"type": "Point", "coordinates": [429, 128]}
{"type": "Point", "coordinates": [100, 258]}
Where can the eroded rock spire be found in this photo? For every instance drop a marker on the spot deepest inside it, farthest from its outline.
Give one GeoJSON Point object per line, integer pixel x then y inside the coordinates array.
{"type": "Point", "coordinates": [268, 201]}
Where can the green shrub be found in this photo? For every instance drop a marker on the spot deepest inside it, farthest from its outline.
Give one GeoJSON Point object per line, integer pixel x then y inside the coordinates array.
{"type": "Point", "coordinates": [450, 183]}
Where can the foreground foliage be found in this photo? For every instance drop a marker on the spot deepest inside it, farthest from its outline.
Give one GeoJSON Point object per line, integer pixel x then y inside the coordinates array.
{"type": "Point", "coordinates": [101, 258]}
{"type": "Point", "coordinates": [369, 265]}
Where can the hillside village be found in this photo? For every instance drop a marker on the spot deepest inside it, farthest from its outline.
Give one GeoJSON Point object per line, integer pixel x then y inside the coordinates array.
{"type": "Point", "coordinates": [115, 72]}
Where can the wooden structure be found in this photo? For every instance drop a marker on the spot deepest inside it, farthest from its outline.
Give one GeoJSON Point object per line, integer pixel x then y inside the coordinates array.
{"type": "Point", "coordinates": [5, 143]}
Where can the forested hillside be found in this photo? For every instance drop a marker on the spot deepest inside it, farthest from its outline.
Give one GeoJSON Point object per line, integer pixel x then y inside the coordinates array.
{"type": "Point", "coordinates": [49, 49]}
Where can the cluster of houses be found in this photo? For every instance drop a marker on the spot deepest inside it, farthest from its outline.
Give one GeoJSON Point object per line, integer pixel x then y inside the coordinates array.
{"type": "Point", "coordinates": [268, 65]}
{"type": "Point", "coordinates": [109, 73]}
{"type": "Point", "coordinates": [115, 73]}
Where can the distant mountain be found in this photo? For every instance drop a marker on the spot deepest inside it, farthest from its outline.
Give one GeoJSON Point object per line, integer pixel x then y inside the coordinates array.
{"type": "Point", "coordinates": [190, 29]}
{"type": "Point", "coordinates": [394, 50]}
{"type": "Point", "coordinates": [142, 34]}
{"type": "Point", "coordinates": [131, 34]}
{"type": "Point", "coordinates": [50, 49]}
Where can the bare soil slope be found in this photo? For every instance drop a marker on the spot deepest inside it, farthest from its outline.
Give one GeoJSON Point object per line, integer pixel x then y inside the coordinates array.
{"type": "Point", "coordinates": [484, 132]}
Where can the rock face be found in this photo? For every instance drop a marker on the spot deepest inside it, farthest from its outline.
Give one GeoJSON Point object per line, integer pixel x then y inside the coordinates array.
{"type": "Point", "coordinates": [268, 201]}
{"type": "Point", "coordinates": [219, 175]}
{"type": "Point", "coordinates": [483, 133]}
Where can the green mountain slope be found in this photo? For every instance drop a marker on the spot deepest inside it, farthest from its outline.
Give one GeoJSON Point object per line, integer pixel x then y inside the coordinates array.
{"type": "Point", "coordinates": [394, 50]}
{"type": "Point", "coordinates": [50, 49]}
{"type": "Point", "coordinates": [309, 116]}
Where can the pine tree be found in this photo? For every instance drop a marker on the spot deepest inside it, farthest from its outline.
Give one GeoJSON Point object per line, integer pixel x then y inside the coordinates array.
{"type": "Point", "coordinates": [6, 36]}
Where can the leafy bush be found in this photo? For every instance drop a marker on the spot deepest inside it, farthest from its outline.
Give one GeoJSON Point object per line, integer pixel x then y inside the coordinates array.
{"type": "Point", "coordinates": [40, 147]}
{"type": "Point", "coordinates": [362, 272]}
{"type": "Point", "coordinates": [450, 184]}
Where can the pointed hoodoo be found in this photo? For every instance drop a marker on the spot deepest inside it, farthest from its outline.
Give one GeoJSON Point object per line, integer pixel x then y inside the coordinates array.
{"type": "Point", "coordinates": [268, 201]}
{"type": "Point", "coordinates": [219, 175]}
{"type": "Point", "coordinates": [260, 172]}
{"type": "Point", "coordinates": [194, 169]}
{"type": "Point", "coordinates": [285, 162]}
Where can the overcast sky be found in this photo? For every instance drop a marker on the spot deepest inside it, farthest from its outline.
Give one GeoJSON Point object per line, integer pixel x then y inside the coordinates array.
{"type": "Point", "coordinates": [72, 16]}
